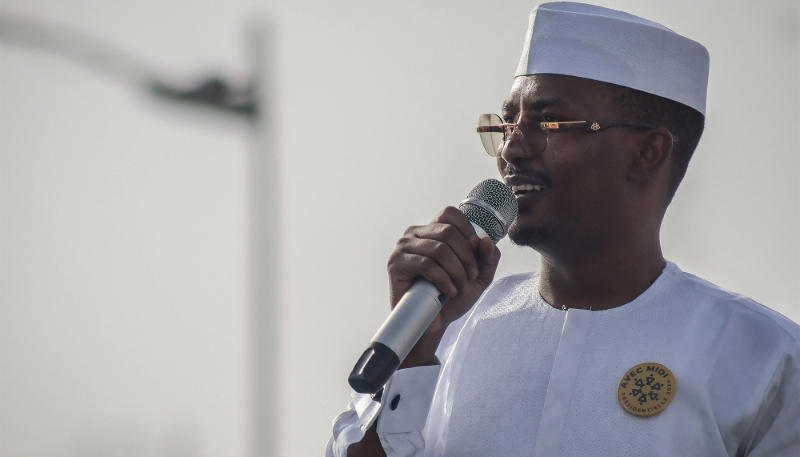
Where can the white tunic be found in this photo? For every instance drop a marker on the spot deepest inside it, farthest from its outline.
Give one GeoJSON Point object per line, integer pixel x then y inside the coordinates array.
{"type": "Point", "coordinates": [522, 378]}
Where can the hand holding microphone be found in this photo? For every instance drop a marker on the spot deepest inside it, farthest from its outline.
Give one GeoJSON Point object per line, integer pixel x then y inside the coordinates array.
{"type": "Point", "coordinates": [453, 259]}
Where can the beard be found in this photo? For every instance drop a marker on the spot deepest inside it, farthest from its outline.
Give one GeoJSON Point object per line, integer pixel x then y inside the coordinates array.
{"type": "Point", "coordinates": [532, 237]}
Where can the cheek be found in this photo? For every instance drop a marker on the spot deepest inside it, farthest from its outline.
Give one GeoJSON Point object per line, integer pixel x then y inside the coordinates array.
{"type": "Point", "coordinates": [587, 181]}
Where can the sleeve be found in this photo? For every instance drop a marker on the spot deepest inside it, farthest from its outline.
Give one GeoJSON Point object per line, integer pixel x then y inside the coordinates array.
{"type": "Point", "coordinates": [776, 432]}
{"type": "Point", "coordinates": [401, 414]}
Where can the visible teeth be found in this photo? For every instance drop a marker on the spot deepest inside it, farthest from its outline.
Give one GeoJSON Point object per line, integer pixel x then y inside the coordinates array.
{"type": "Point", "coordinates": [527, 188]}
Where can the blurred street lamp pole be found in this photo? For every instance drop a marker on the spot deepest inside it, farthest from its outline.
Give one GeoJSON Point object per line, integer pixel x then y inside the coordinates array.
{"type": "Point", "coordinates": [264, 236]}
{"type": "Point", "coordinates": [253, 101]}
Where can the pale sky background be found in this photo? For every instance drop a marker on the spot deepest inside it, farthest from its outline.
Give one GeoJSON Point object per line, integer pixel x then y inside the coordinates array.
{"type": "Point", "coordinates": [124, 219]}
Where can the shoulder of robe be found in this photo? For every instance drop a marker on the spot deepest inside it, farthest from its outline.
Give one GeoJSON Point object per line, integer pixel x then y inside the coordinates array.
{"type": "Point", "coordinates": [744, 307]}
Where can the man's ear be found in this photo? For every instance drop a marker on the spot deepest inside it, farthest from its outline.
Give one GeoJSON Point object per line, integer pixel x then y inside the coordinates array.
{"type": "Point", "coordinates": [655, 148]}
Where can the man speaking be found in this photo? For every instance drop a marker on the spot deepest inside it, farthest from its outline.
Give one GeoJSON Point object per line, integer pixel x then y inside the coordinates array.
{"type": "Point", "coordinates": [609, 350]}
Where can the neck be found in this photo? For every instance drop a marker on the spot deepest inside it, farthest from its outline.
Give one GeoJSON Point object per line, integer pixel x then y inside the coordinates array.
{"type": "Point", "coordinates": [606, 278]}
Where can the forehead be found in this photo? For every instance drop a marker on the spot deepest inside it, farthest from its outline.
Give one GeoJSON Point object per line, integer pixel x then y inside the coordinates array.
{"type": "Point", "coordinates": [570, 93]}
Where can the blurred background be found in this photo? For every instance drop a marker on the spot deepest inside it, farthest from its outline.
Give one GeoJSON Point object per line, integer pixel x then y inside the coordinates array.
{"type": "Point", "coordinates": [179, 280]}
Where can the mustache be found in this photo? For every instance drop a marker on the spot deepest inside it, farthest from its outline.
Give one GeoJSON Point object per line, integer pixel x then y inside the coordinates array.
{"type": "Point", "coordinates": [524, 172]}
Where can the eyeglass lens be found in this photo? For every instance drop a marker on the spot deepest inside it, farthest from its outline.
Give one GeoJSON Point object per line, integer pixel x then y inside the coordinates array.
{"type": "Point", "coordinates": [492, 141]}
{"type": "Point", "coordinates": [535, 137]}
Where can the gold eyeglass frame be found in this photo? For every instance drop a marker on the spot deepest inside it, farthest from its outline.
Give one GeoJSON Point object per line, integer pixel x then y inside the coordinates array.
{"type": "Point", "coordinates": [507, 128]}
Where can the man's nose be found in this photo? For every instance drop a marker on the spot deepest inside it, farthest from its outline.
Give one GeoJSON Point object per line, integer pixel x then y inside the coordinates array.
{"type": "Point", "coordinates": [515, 148]}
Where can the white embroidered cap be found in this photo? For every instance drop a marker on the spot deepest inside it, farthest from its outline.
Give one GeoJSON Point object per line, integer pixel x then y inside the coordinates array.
{"type": "Point", "coordinates": [606, 45]}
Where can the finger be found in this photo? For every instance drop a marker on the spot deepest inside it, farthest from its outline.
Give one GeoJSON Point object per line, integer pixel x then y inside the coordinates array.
{"type": "Point", "coordinates": [488, 259]}
{"type": "Point", "coordinates": [453, 216]}
{"type": "Point", "coordinates": [443, 254]}
{"type": "Point", "coordinates": [454, 239]}
{"type": "Point", "coordinates": [413, 265]}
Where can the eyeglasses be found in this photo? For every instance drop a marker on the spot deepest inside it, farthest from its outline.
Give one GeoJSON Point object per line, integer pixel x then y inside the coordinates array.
{"type": "Point", "coordinates": [536, 130]}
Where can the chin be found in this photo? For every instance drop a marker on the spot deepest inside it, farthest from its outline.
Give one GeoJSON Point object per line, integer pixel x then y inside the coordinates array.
{"type": "Point", "coordinates": [532, 237]}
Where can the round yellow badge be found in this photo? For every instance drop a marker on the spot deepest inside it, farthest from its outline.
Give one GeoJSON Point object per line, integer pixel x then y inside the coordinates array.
{"type": "Point", "coordinates": [646, 389]}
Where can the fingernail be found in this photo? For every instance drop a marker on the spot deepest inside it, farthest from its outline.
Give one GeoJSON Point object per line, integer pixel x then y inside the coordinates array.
{"type": "Point", "coordinates": [453, 291]}
{"type": "Point", "coordinates": [473, 274]}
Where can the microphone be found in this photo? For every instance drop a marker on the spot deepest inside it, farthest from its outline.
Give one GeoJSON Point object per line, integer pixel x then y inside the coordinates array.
{"type": "Point", "coordinates": [491, 208]}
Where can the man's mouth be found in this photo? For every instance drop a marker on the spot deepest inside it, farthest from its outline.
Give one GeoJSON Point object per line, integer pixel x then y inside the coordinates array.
{"type": "Point", "coordinates": [522, 189]}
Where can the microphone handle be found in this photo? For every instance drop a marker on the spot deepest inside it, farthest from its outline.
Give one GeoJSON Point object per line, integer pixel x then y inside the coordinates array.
{"type": "Point", "coordinates": [398, 334]}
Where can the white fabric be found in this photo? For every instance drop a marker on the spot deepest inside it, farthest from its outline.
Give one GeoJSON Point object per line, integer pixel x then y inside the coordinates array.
{"type": "Point", "coordinates": [606, 45]}
{"type": "Point", "coordinates": [413, 390]}
{"type": "Point", "coordinates": [561, 385]}
{"type": "Point", "coordinates": [521, 378]}
{"type": "Point", "coordinates": [399, 429]}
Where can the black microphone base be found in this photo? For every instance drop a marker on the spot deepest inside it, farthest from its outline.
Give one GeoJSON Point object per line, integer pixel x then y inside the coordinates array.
{"type": "Point", "coordinates": [376, 365]}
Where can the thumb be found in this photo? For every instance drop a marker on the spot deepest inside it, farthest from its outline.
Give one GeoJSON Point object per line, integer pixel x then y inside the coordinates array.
{"type": "Point", "coordinates": [488, 259]}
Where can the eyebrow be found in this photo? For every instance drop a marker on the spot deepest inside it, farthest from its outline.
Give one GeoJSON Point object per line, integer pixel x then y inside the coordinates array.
{"type": "Point", "coordinates": [538, 105]}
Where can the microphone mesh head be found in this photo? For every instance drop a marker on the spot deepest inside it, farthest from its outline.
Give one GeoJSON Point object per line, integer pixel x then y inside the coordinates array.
{"type": "Point", "coordinates": [491, 206]}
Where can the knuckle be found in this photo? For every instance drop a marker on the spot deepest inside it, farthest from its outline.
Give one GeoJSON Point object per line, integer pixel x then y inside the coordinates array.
{"type": "Point", "coordinates": [425, 263]}
{"type": "Point", "coordinates": [440, 249]}
{"type": "Point", "coordinates": [393, 257]}
{"type": "Point", "coordinates": [404, 241]}
{"type": "Point", "coordinates": [399, 262]}
{"type": "Point", "coordinates": [447, 214]}
{"type": "Point", "coordinates": [410, 231]}
{"type": "Point", "coordinates": [451, 211]}
{"type": "Point", "coordinates": [429, 268]}
{"type": "Point", "coordinates": [449, 231]}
